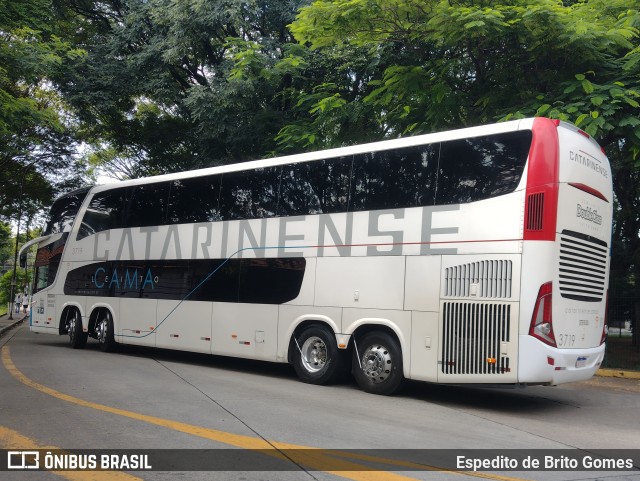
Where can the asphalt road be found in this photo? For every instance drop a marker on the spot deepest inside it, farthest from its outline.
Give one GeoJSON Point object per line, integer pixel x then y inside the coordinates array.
{"type": "Point", "coordinates": [52, 396]}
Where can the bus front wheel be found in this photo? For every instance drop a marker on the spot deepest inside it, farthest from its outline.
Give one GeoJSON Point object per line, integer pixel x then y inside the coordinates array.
{"type": "Point", "coordinates": [316, 358]}
{"type": "Point", "coordinates": [377, 363]}
{"type": "Point", "coordinates": [77, 338]}
{"type": "Point", "coordinates": [104, 331]}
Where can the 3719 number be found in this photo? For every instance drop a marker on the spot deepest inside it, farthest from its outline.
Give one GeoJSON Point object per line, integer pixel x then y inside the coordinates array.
{"type": "Point", "coordinates": [566, 340]}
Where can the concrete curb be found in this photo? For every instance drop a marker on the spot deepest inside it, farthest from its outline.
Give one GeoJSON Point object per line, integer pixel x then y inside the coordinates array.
{"type": "Point", "coordinates": [618, 373]}
{"type": "Point", "coordinates": [10, 326]}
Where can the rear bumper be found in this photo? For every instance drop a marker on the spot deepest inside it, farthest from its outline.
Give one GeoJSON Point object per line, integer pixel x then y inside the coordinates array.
{"type": "Point", "coordinates": [542, 364]}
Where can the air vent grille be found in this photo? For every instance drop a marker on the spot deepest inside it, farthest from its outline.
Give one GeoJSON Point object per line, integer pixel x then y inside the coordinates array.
{"type": "Point", "coordinates": [482, 279]}
{"type": "Point", "coordinates": [474, 338]}
{"type": "Point", "coordinates": [582, 266]}
{"type": "Point", "coordinates": [535, 209]}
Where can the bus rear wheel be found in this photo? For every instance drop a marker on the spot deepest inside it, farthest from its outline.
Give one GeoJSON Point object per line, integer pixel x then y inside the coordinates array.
{"type": "Point", "coordinates": [77, 338]}
{"type": "Point", "coordinates": [316, 358]}
{"type": "Point", "coordinates": [377, 363]}
{"type": "Point", "coordinates": [104, 331]}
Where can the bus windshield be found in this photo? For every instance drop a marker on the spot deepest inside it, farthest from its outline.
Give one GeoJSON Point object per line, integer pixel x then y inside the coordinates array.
{"type": "Point", "coordinates": [63, 212]}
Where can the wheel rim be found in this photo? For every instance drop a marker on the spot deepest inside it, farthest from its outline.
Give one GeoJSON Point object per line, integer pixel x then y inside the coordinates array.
{"type": "Point", "coordinates": [377, 363]}
{"type": "Point", "coordinates": [71, 328]}
{"type": "Point", "coordinates": [101, 331]}
{"type": "Point", "coordinates": [314, 354]}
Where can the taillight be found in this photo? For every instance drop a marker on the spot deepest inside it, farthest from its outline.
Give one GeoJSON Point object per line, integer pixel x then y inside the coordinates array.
{"type": "Point", "coordinates": [541, 322]}
{"type": "Point", "coordinates": [605, 327]}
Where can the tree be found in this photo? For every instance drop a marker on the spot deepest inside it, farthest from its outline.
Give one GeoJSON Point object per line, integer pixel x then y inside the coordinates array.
{"type": "Point", "coordinates": [22, 280]}
{"type": "Point", "coordinates": [35, 136]}
{"type": "Point", "coordinates": [160, 89]}
{"type": "Point", "coordinates": [5, 244]}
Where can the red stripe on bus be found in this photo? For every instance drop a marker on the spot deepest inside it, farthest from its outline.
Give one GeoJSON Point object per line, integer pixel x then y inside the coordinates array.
{"type": "Point", "coordinates": [329, 246]}
{"type": "Point", "coordinates": [542, 181]}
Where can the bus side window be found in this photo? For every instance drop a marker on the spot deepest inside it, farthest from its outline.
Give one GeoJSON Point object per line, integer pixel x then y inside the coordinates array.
{"type": "Point", "coordinates": [320, 187]}
{"type": "Point", "coordinates": [297, 193]}
{"type": "Point", "coordinates": [479, 168]}
{"type": "Point", "coordinates": [194, 200]}
{"type": "Point", "coordinates": [223, 286]}
{"type": "Point", "coordinates": [250, 194]}
{"type": "Point", "coordinates": [392, 179]}
{"type": "Point", "coordinates": [105, 211]}
{"type": "Point", "coordinates": [147, 205]}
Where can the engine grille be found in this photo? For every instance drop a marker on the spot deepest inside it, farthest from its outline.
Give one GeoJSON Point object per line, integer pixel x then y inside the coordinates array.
{"type": "Point", "coordinates": [492, 277]}
{"type": "Point", "coordinates": [582, 267]}
{"type": "Point", "coordinates": [473, 337]}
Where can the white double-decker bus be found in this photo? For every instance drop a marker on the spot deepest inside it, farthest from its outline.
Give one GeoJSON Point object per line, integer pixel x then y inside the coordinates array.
{"type": "Point", "coordinates": [478, 255]}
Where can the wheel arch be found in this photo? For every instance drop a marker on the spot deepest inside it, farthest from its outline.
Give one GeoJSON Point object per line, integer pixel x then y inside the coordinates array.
{"type": "Point", "coordinates": [66, 309]}
{"type": "Point", "coordinates": [95, 313]}
{"type": "Point", "coordinates": [366, 326]}
{"type": "Point", "coordinates": [301, 324]}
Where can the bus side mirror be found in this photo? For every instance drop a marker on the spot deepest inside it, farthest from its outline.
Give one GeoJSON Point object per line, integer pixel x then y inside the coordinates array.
{"type": "Point", "coordinates": [23, 260]}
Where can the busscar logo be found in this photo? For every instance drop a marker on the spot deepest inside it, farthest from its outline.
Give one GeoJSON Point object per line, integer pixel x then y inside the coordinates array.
{"type": "Point", "coordinates": [23, 460]}
{"type": "Point", "coordinates": [589, 214]}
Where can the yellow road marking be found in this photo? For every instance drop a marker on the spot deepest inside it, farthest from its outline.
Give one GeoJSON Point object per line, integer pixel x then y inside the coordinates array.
{"type": "Point", "coordinates": [314, 458]}
{"type": "Point", "coordinates": [10, 439]}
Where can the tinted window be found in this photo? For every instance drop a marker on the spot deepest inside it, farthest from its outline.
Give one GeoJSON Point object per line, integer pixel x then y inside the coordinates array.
{"type": "Point", "coordinates": [194, 200]}
{"type": "Point", "coordinates": [264, 281]}
{"type": "Point", "coordinates": [64, 211]}
{"type": "Point", "coordinates": [483, 167]}
{"type": "Point", "coordinates": [147, 205]}
{"type": "Point", "coordinates": [47, 262]}
{"type": "Point", "coordinates": [320, 187]}
{"type": "Point", "coordinates": [221, 281]}
{"type": "Point", "coordinates": [105, 211]}
{"type": "Point", "coordinates": [394, 178]}
{"type": "Point", "coordinates": [250, 194]}
{"type": "Point", "coordinates": [270, 281]}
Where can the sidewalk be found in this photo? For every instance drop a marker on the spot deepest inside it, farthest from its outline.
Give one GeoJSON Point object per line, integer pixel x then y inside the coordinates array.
{"type": "Point", "coordinates": [6, 323]}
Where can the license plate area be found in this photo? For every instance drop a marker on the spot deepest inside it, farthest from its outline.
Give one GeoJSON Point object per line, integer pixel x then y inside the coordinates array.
{"type": "Point", "coordinates": [581, 362]}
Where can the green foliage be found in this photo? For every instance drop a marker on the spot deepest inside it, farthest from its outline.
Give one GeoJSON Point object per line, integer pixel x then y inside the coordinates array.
{"type": "Point", "coordinates": [35, 138]}
{"type": "Point", "coordinates": [458, 63]}
{"type": "Point", "coordinates": [23, 279]}
{"type": "Point", "coordinates": [5, 244]}
{"type": "Point", "coordinates": [29, 53]}
{"type": "Point", "coordinates": [170, 85]}
{"type": "Point", "coordinates": [436, 64]}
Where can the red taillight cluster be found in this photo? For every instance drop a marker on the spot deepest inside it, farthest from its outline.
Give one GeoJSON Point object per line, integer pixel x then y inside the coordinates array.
{"type": "Point", "coordinates": [541, 322]}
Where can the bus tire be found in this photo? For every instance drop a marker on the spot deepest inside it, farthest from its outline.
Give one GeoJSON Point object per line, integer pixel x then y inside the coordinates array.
{"type": "Point", "coordinates": [104, 331]}
{"type": "Point", "coordinates": [316, 357]}
{"type": "Point", "coordinates": [377, 363]}
{"type": "Point", "coordinates": [77, 338]}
